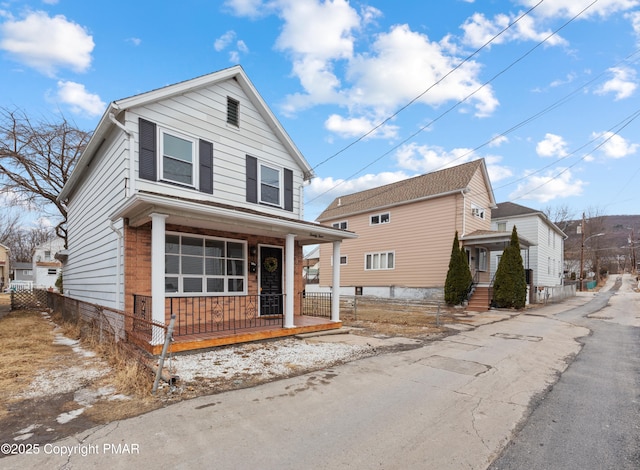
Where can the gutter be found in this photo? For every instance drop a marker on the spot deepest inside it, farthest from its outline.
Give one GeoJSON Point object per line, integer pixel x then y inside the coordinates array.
{"type": "Point", "coordinates": [118, 264]}
{"type": "Point", "coordinates": [132, 180]}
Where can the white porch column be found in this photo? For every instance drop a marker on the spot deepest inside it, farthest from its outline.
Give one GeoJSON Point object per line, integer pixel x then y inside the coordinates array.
{"type": "Point", "coordinates": [157, 272]}
{"type": "Point", "coordinates": [289, 284]}
{"type": "Point", "coordinates": [335, 288]}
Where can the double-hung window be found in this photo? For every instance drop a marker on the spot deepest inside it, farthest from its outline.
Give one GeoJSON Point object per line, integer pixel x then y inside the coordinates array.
{"type": "Point", "coordinates": [341, 225]}
{"type": "Point", "coordinates": [377, 261]}
{"type": "Point", "coordinates": [384, 218]}
{"type": "Point", "coordinates": [204, 265]}
{"type": "Point", "coordinates": [178, 157]}
{"type": "Point", "coordinates": [270, 185]}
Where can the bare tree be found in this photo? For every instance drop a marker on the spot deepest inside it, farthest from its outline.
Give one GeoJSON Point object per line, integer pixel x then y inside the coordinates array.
{"type": "Point", "coordinates": [561, 216]}
{"type": "Point", "coordinates": [36, 159]}
{"type": "Point", "coordinates": [23, 242]}
{"type": "Point", "coordinates": [9, 222]}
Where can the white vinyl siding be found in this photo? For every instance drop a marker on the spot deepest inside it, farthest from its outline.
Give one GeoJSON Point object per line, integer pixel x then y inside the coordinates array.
{"type": "Point", "coordinates": [202, 114]}
{"type": "Point", "coordinates": [90, 273]}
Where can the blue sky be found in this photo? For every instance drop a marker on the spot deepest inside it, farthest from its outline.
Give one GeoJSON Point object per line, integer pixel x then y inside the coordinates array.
{"type": "Point", "coordinates": [372, 92]}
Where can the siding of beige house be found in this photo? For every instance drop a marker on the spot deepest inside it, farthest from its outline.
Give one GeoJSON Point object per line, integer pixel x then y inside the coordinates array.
{"type": "Point", "coordinates": [419, 234]}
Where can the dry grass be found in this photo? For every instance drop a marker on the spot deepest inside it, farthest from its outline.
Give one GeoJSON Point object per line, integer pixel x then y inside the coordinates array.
{"type": "Point", "coordinates": [25, 347]}
{"type": "Point", "coordinates": [395, 318]}
{"type": "Point", "coordinates": [130, 377]}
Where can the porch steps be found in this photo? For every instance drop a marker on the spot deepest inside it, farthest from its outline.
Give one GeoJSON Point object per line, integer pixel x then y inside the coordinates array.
{"type": "Point", "coordinates": [480, 300]}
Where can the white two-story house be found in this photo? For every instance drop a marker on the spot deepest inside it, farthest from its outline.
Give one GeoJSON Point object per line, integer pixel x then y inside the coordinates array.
{"type": "Point", "coordinates": [545, 258]}
{"type": "Point", "coordinates": [188, 200]}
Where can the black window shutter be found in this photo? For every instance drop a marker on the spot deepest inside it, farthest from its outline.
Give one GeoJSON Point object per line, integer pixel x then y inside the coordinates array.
{"type": "Point", "coordinates": [147, 159]}
{"type": "Point", "coordinates": [205, 152]}
{"type": "Point", "coordinates": [288, 190]}
{"type": "Point", "coordinates": [252, 179]}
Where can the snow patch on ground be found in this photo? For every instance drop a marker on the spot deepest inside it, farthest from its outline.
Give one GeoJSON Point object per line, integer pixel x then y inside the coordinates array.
{"type": "Point", "coordinates": [264, 360]}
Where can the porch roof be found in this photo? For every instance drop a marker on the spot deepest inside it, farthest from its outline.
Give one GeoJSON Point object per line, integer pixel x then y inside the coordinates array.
{"type": "Point", "coordinates": [211, 215]}
{"type": "Point", "coordinates": [493, 240]}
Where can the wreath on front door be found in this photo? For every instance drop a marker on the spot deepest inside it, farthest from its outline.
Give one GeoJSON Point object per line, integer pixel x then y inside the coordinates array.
{"type": "Point", "coordinates": [271, 264]}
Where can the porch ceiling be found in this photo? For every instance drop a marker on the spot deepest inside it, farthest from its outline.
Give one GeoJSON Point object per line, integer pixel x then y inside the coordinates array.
{"type": "Point", "coordinates": [493, 240]}
{"type": "Point", "coordinates": [215, 216]}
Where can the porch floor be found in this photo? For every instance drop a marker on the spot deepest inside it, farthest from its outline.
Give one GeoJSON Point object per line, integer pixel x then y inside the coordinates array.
{"type": "Point", "coordinates": [191, 342]}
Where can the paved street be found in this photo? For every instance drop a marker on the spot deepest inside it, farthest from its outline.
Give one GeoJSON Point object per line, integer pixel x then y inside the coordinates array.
{"type": "Point", "coordinates": [591, 418]}
{"type": "Point", "coordinates": [452, 404]}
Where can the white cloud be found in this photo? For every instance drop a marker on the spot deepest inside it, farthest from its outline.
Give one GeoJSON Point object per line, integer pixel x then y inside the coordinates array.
{"type": "Point", "coordinates": [134, 41]}
{"type": "Point", "coordinates": [79, 99]}
{"type": "Point", "coordinates": [634, 17]}
{"type": "Point", "coordinates": [623, 83]}
{"type": "Point", "coordinates": [570, 8]}
{"type": "Point", "coordinates": [47, 43]}
{"type": "Point", "coordinates": [249, 8]}
{"type": "Point", "coordinates": [497, 172]}
{"type": "Point", "coordinates": [223, 41]}
{"type": "Point", "coordinates": [498, 140]}
{"type": "Point", "coordinates": [615, 146]}
{"type": "Point", "coordinates": [321, 191]}
{"type": "Point", "coordinates": [357, 127]}
{"type": "Point", "coordinates": [426, 158]}
{"type": "Point", "coordinates": [545, 188]}
{"type": "Point", "coordinates": [479, 30]}
{"type": "Point", "coordinates": [552, 146]}
{"type": "Point", "coordinates": [228, 40]}
{"type": "Point", "coordinates": [404, 64]}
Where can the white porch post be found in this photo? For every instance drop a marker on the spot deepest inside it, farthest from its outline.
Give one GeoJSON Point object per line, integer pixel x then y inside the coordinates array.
{"type": "Point", "coordinates": [157, 273]}
{"type": "Point", "coordinates": [289, 285]}
{"type": "Point", "coordinates": [335, 288]}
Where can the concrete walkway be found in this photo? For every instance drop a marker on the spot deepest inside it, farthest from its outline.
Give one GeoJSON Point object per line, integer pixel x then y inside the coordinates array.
{"type": "Point", "coordinates": [451, 404]}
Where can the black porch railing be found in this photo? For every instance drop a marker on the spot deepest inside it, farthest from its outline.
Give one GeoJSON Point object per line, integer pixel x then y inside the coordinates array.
{"type": "Point", "coordinates": [316, 304]}
{"type": "Point", "coordinates": [196, 315]}
{"type": "Point", "coordinates": [233, 314]}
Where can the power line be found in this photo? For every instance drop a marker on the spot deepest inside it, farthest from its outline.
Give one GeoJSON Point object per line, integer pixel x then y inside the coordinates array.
{"type": "Point", "coordinates": [467, 59]}
{"type": "Point", "coordinates": [458, 103]}
{"type": "Point", "coordinates": [629, 120]}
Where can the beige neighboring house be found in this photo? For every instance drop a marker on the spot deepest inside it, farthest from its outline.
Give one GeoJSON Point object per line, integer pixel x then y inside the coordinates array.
{"type": "Point", "coordinates": [405, 234]}
{"type": "Point", "coordinates": [4, 267]}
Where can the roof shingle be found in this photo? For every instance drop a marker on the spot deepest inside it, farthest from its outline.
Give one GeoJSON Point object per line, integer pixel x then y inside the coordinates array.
{"type": "Point", "coordinates": [419, 187]}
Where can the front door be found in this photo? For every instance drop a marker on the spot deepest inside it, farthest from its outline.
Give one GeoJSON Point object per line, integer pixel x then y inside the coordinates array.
{"type": "Point", "coordinates": [271, 281]}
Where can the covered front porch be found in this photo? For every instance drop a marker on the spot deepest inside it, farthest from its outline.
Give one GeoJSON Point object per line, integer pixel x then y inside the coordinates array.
{"type": "Point", "coordinates": [227, 274]}
{"type": "Point", "coordinates": [208, 322]}
{"type": "Point", "coordinates": [479, 246]}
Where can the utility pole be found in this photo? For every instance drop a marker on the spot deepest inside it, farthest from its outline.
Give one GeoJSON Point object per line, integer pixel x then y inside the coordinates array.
{"type": "Point", "coordinates": [581, 253]}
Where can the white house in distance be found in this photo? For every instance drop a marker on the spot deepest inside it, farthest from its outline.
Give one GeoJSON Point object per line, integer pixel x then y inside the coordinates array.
{"type": "Point", "coordinates": [45, 267]}
{"type": "Point", "coordinates": [546, 255]}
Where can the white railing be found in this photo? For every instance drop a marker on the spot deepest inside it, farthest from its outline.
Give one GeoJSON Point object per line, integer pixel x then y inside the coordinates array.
{"type": "Point", "coordinates": [17, 286]}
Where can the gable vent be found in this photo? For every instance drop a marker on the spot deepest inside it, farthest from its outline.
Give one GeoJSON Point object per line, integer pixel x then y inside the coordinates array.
{"type": "Point", "coordinates": [233, 112]}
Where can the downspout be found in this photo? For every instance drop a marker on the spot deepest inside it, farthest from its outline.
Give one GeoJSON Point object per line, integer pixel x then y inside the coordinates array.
{"type": "Point", "coordinates": [132, 180]}
{"type": "Point", "coordinates": [118, 264]}
{"type": "Point", "coordinates": [464, 211]}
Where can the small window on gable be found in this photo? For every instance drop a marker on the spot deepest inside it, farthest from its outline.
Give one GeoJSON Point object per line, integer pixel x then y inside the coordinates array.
{"type": "Point", "coordinates": [477, 211]}
{"type": "Point", "coordinates": [377, 219]}
{"type": "Point", "coordinates": [341, 225]}
{"type": "Point", "coordinates": [233, 112]}
{"type": "Point", "coordinates": [502, 226]}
